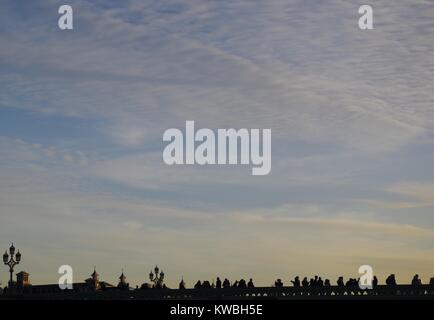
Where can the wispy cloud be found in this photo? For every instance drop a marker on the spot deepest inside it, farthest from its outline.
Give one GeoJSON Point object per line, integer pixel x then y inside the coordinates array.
{"type": "Point", "coordinates": [170, 69]}
{"type": "Point", "coordinates": [351, 114]}
{"type": "Point", "coordinates": [420, 195]}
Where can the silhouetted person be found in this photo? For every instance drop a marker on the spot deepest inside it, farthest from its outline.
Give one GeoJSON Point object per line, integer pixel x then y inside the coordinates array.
{"type": "Point", "coordinates": [235, 284]}
{"type": "Point", "coordinates": [206, 284]}
{"type": "Point", "coordinates": [353, 282]}
{"type": "Point", "coordinates": [242, 284]}
{"type": "Point", "coordinates": [250, 284]}
{"type": "Point", "coordinates": [416, 281]}
{"type": "Point", "coordinates": [340, 282]}
{"type": "Point", "coordinates": [374, 282]}
{"type": "Point", "coordinates": [278, 283]}
{"type": "Point", "coordinates": [198, 285]}
{"type": "Point", "coordinates": [182, 284]}
{"type": "Point", "coordinates": [431, 281]}
{"type": "Point", "coordinates": [391, 281]}
{"type": "Point", "coordinates": [226, 283]}
{"type": "Point", "coordinates": [305, 283]}
{"type": "Point", "coordinates": [327, 283]}
{"type": "Point", "coordinates": [311, 282]}
{"type": "Point", "coordinates": [218, 283]}
{"type": "Point", "coordinates": [319, 282]}
{"type": "Point", "coordinates": [296, 282]}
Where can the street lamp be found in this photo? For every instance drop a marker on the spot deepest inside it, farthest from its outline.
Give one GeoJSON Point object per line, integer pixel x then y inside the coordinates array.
{"type": "Point", "coordinates": [11, 260]}
{"type": "Point", "coordinates": [158, 278]}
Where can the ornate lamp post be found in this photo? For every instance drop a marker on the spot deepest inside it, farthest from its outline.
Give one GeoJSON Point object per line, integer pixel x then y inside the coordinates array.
{"type": "Point", "coordinates": [157, 278]}
{"type": "Point", "coordinates": [11, 261]}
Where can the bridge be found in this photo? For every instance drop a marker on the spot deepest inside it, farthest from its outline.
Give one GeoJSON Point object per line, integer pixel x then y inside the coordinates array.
{"type": "Point", "coordinates": [258, 293]}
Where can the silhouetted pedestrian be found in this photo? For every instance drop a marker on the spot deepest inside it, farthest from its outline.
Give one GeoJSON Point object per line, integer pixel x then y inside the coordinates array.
{"type": "Point", "coordinates": [296, 282]}
{"type": "Point", "coordinates": [226, 283]}
{"type": "Point", "coordinates": [278, 283]}
{"type": "Point", "coordinates": [242, 284]}
{"type": "Point", "coordinates": [218, 283]}
{"type": "Point", "coordinates": [198, 285]}
{"type": "Point", "coordinates": [311, 282]}
{"type": "Point", "coordinates": [391, 281]}
{"type": "Point", "coordinates": [416, 281]}
{"type": "Point", "coordinates": [182, 284]}
{"type": "Point", "coordinates": [374, 282]}
{"type": "Point", "coordinates": [305, 282]}
{"type": "Point", "coordinates": [340, 282]}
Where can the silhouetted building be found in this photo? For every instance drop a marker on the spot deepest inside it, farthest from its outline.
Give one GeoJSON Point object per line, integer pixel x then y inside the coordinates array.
{"type": "Point", "coordinates": [145, 286]}
{"type": "Point", "coordinates": [23, 279]}
{"type": "Point", "coordinates": [23, 285]}
{"type": "Point", "coordinates": [123, 285]}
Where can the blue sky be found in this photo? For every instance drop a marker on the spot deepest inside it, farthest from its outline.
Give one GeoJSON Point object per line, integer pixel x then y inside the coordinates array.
{"type": "Point", "coordinates": [82, 115]}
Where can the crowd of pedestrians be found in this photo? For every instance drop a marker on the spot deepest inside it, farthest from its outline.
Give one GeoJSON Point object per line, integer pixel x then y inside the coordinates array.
{"type": "Point", "coordinates": [315, 282]}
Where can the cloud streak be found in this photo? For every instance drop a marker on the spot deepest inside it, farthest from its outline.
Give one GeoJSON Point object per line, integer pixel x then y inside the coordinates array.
{"type": "Point", "coordinates": [82, 116]}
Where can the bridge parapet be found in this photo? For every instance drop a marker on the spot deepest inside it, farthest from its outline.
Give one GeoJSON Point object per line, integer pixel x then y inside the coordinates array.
{"type": "Point", "coordinates": [326, 293]}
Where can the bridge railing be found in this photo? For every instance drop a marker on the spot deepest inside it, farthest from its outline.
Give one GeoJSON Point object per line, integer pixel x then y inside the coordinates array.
{"type": "Point", "coordinates": [301, 293]}
{"type": "Point", "coordinates": [332, 292]}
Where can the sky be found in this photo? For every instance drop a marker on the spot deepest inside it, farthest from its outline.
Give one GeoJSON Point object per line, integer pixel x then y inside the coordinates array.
{"type": "Point", "coordinates": [83, 112]}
